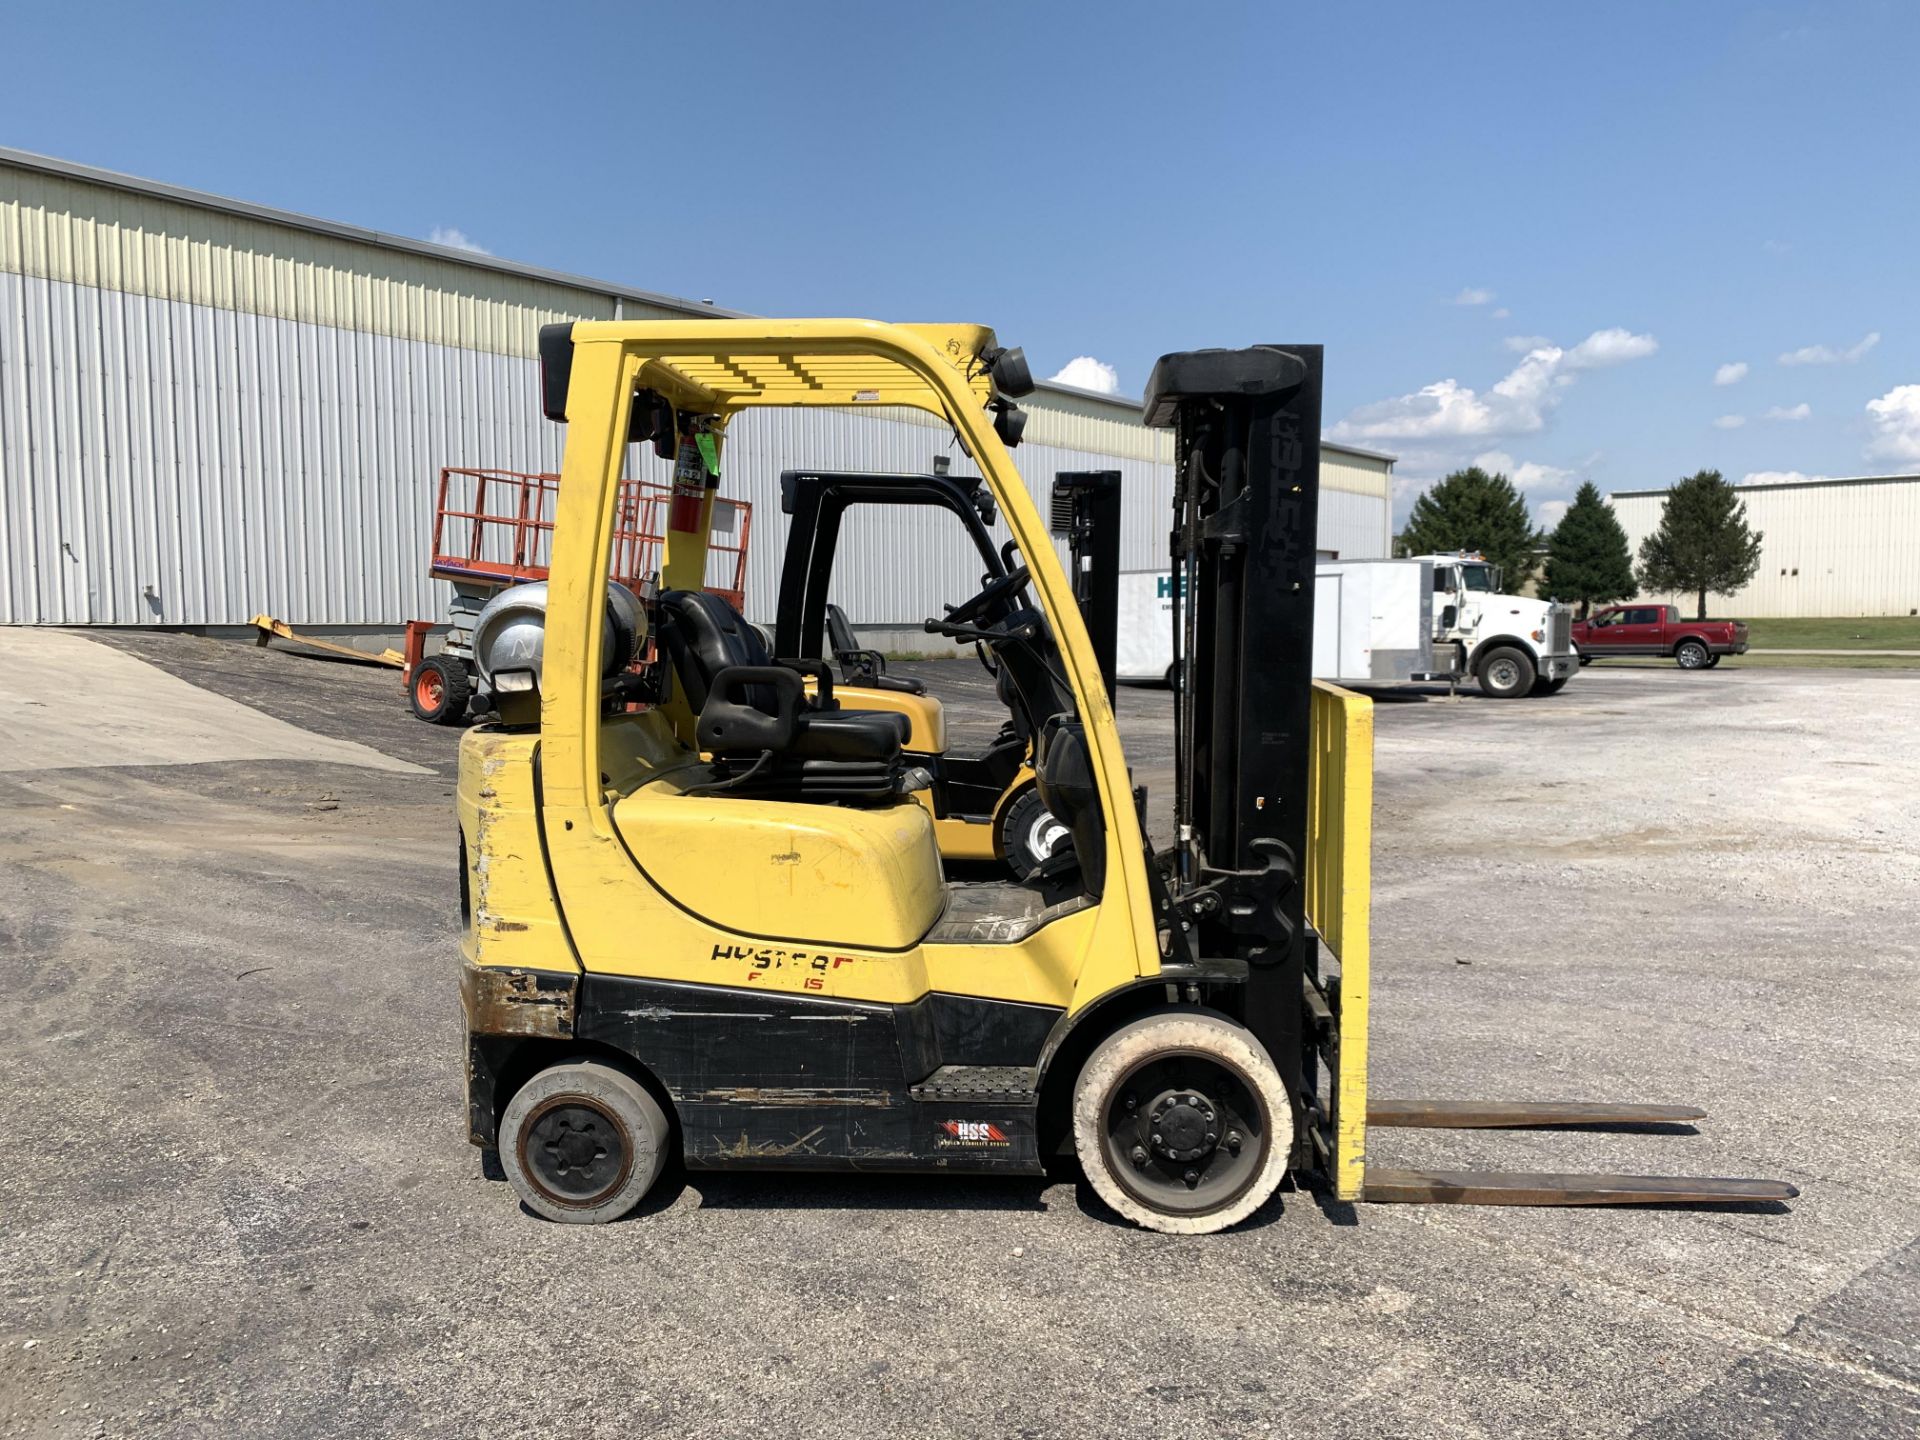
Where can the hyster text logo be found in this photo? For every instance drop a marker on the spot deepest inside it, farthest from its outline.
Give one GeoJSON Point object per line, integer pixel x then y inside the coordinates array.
{"type": "Point", "coordinates": [972, 1132]}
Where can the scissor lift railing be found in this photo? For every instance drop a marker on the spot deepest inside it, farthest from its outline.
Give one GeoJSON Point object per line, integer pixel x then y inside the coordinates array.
{"type": "Point", "coordinates": [494, 528]}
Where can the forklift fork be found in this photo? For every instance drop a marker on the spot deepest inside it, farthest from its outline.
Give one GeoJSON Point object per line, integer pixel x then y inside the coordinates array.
{"type": "Point", "coordinates": [1339, 886]}
{"type": "Point", "coordinates": [1492, 1187]}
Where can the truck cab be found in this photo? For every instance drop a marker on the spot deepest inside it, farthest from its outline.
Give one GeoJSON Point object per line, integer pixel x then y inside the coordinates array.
{"type": "Point", "coordinates": [1512, 645]}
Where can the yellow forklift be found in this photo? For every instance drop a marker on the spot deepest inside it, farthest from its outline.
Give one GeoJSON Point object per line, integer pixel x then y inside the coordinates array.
{"type": "Point", "coordinates": [706, 917]}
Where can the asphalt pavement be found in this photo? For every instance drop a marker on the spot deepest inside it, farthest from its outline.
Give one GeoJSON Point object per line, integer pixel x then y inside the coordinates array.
{"type": "Point", "coordinates": [238, 1199]}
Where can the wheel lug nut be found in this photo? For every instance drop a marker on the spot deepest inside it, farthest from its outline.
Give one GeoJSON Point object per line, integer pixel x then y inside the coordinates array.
{"type": "Point", "coordinates": [1139, 1156]}
{"type": "Point", "coordinates": [1132, 1103]}
{"type": "Point", "coordinates": [1156, 1137]}
{"type": "Point", "coordinates": [1211, 1137]}
{"type": "Point", "coordinates": [1193, 1177]}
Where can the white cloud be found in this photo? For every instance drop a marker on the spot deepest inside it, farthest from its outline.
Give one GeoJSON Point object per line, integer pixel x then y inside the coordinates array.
{"type": "Point", "coordinates": [1502, 313]}
{"type": "Point", "coordinates": [1525, 474]}
{"type": "Point", "coordinates": [1521, 344]}
{"type": "Point", "coordinates": [1549, 513]}
{"type": "Point", "coordinates": [1788, 412]}
{"type": "Point", "coordinates": [1472, 296]}
{"type": "Point", "coordinates": [1610, 347]}
{"type": "Point", "coordinates": [1827, 355]}
{"type": "Point", "coordinates": [1517, 404]}
{"type": "Point", "coordinates": [1896, 424]}
{"type": "Point", "coordinates": [447, 235]}
{"type": "Point", "coordinates": [1730, 422]}
{"type": "Point", "coordinates": [1086, 373]}
{"type": "Point", "coordinates": [1731, 373]}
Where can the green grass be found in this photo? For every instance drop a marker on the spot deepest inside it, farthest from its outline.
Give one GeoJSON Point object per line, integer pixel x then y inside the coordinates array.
{"type": "Point", "coordinates": [1763, 660]}
{"type": "Point", "coordinates": [1894, 632]}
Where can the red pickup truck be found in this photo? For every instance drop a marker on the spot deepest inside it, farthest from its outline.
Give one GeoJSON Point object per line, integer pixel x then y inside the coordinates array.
{"type": "Point", "coordinates": [1657, 630]}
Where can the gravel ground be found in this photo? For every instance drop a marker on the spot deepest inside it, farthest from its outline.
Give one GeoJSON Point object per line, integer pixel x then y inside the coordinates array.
{"type": "Point", "coordinates": [238, 1199]}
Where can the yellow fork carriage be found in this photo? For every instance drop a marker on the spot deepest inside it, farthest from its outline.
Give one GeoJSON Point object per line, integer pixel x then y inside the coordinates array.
{"type": "Point", "coordinates": [706, 915]}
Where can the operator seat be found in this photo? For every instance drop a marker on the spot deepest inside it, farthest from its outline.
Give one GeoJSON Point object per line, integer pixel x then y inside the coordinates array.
{"type": "Point", "coordinates": [769, 740]}
{"type": "Point", "coordinates": [863, 667]}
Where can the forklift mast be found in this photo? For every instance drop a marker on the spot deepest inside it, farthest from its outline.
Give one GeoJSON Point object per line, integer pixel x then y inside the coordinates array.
{"type": "Point", "coordinates": [1086, 509]}
{"type": "Point", "coordinates": [1246, 429]}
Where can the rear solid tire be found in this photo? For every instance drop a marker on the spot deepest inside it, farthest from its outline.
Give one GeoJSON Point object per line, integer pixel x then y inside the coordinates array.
{"type": "Point", "coordinates": [1505, 673]}
{"type": "Point", "coordinates": [1692, 655]}
{"type": "Point", "coordinates": [1246, 1151]}
{"type": "Point", "coordinates": [582, 1142]}
{"type": "Point", "coordinates": [438, 690]}
{"type": "Point", "coordinates": [1029, 834]}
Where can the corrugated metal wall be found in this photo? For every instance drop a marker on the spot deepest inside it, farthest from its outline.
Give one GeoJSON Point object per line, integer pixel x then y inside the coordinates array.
{"type": "Point", "coordinates": [1834, 547]}
{"type": "Point", "coordinates": [206, 415]}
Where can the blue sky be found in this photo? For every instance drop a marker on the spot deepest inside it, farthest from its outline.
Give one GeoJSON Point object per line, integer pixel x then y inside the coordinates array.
{"type": "Point", "coordinates": [1536, 232]}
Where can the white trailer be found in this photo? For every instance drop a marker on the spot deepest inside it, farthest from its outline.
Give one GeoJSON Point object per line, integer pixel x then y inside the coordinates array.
{"type": "Point", "coordinates": [1372, 623]}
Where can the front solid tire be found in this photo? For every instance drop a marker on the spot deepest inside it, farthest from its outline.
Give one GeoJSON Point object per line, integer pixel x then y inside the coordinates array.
{"type": "Point", "coordinates": [583, 1142]}
{"type": "Point", "coordinates": [1505, 673]}
{"type": "Point", "coordinates": [1182, 1124]}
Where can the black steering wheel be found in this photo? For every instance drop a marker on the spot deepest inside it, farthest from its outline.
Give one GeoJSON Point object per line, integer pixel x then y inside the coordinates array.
{"type": "Point", "coordinates": [998, 590]}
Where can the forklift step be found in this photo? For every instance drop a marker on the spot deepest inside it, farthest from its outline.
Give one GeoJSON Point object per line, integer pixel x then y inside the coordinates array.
{"type": "Point", "coordinates": [1473, 1187]}
{"type": "Point", "coordinates": [1523, 1115]}
{"type": "Point", "coordinates": [978, 1082]}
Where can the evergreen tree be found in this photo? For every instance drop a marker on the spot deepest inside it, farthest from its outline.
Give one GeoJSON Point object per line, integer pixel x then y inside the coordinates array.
{"type": "Point", "coordinates": [1587, 555]}
{"type": "Point", "coordinates": [1703, 543]}
{"type": "Point", "coordinates": [1472, 510]}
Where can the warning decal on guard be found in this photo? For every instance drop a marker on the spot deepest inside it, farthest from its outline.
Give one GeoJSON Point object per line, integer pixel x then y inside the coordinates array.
{"type": "Point", "coordinates": [969, 1135]}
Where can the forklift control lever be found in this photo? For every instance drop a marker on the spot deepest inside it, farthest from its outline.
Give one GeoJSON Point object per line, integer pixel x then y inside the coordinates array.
{"type": "Point", "coordinates": [975, 632]}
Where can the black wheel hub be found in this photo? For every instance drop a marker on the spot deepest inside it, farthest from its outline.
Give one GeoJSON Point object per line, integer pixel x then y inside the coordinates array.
{"type": "Point", "coordinates": [1185, 1133]}
{"type": "Point", "coordinates": [1182, 1125]}
{"type": "Point", "coordinates": [574, 1151]}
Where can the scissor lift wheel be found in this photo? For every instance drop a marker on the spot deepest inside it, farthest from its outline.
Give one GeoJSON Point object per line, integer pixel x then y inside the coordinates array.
{"type": "Point", "coordinates": [439, 689]}
{"type": "Point", "coordinates": [1182, 1124]}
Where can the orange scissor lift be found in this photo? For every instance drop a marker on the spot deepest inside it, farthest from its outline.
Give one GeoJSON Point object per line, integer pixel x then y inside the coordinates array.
{"type": "Point", "coordinates": [494, 528]}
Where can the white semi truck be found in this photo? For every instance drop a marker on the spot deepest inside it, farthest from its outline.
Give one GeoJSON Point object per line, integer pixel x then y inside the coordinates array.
{"type": "Point", "coordinates": [1513, 646]}
{"type": "Point", "coordinates": [1389, 622]}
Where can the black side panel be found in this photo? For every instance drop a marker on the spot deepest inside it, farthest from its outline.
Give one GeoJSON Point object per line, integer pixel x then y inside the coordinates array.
{"type": "Point", "coordinates": [972, 1031]}
{"type": "Point", "coordinates": [779, 1080]}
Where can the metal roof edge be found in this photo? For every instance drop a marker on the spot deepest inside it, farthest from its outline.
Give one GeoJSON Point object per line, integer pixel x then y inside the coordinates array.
{"type": "Point", "coordinates": [1782, 484]}
{"type": "Point", "coordinates": [205, 200]}
{"type": "Point", "coordinates": [1127, 402]}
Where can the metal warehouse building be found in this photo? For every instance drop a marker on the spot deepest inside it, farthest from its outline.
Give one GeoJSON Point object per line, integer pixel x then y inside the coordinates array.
{"type": "Point", "coordinates": [1829, 547]}
{"type": "Point", "coordinates": [210, 409]}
